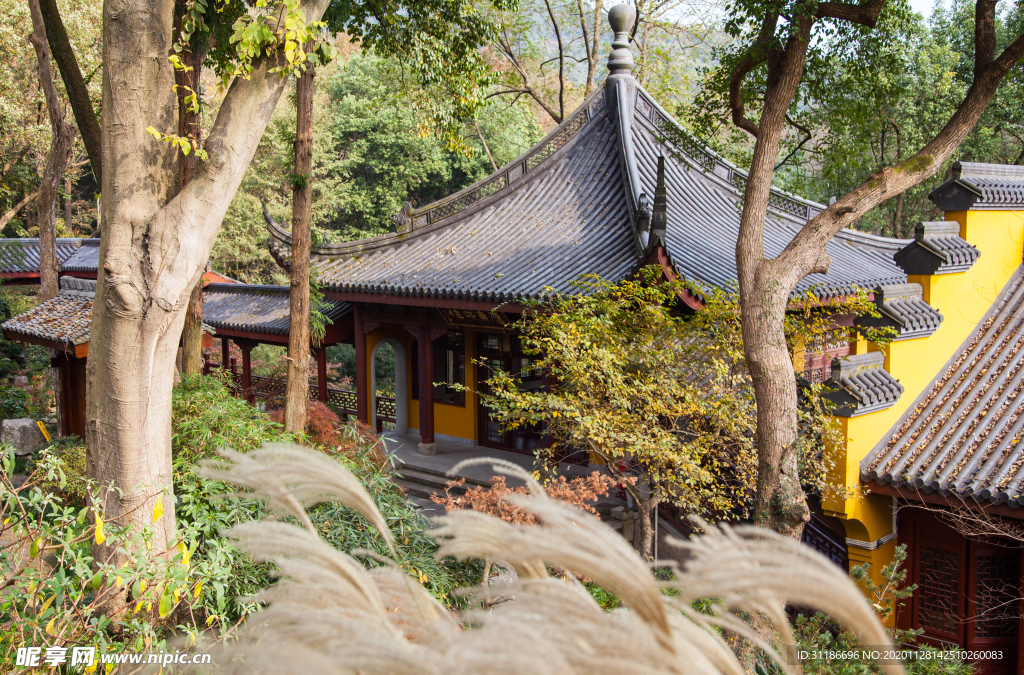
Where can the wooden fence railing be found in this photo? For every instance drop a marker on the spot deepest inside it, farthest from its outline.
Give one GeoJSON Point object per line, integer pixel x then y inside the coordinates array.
{"type": "Point", "coordinates": [343, 400]}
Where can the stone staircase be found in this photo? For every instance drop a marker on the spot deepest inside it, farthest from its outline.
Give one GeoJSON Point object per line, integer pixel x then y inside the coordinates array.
{"type": "Point", "coordinates": [423, 481]}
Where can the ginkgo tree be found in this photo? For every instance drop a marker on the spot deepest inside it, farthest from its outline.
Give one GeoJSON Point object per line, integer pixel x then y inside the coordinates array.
{"type": "Point", "coordinates": [659, 394]}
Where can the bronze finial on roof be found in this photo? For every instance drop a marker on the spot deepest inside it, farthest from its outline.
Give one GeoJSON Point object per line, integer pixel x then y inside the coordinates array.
{"type": "Point", "coordinates": [620, 61]}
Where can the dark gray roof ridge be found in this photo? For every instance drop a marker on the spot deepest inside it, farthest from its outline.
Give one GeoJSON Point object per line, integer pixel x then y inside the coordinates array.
{"type": "Point", "coordinates": [859, 384]}
{"type": "Point", "coordinates": [970, 170]}
{"type": "Point", "coordinates": [902, 307]}
{"type": "Point", "coordinates": [937, 248]}
{"type": "Point", "coordinates": [75, 287]}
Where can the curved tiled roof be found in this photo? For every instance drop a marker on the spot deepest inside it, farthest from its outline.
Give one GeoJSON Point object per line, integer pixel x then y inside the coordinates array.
{"type": "Point", "coordinates": [980, 186]}
{"type": "Point", "coordinates": [22, 255]}
{"type": "Point", "coordinates": [85, 259]}
{"type": "Point", "coordinates": [65, 319]}
{"type": "Point", "coordinates": [255, 309]}
{"type": "Point", "coordinates": [704, 217]}
{"type": "Point", "coordinates": [964, 433]}
{"type": "Point", "coordinates": [570, 205]}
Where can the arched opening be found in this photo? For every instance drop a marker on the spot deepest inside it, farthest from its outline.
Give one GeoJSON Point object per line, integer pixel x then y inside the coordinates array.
{"type": "Point", "coordinates": [387, 383]}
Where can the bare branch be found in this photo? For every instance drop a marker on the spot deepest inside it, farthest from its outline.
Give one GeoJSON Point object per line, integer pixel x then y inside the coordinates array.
{"type": "Point", "coordinates": [561, 60]}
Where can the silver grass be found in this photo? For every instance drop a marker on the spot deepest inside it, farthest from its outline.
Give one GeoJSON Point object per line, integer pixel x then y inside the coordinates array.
{"type": "Point", "coordinates": [329, 614]}
{"type": "Point", "coordinates": [291, 478]}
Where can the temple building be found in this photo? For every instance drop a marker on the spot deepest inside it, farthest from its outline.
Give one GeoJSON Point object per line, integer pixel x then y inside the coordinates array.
{"type": "Point", "coordinates": [930, 423]}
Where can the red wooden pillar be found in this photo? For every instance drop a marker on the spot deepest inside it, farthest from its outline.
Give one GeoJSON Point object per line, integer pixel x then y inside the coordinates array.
{"type": "Point", "coordinates": [321, 373]}
{"type": "Point", "coordinates": [426, 377]}
{"type": "Point", "coordinates": [225, 353]}
{"type": "Point", "coordinates": [247, 373]}
{"type": "Point", "coordinates": [362, 395]}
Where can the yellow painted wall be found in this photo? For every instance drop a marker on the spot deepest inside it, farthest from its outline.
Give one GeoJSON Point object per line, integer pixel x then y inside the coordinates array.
{"type": "Point", "coordinates": [451, 420]}
{"type": "Point", "coordinates": [963, 298]}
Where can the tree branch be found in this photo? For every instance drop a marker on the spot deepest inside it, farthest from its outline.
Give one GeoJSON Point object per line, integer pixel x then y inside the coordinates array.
{"type": "Point", "coordinates": [561, 61]}
{"type": "Point", "coordinates": [6, 218]}
{"type": "Point", "coordinates": [799, 145]}
{"type": "Point", "coordinates": [863, 14]}
{"type": "Point", "coordinates": [755, 56]}
{"type": "Point", "coordinates": [74, 84]}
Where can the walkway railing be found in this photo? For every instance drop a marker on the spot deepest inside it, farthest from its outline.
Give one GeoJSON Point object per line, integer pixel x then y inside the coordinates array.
{"type": "Point", "coordinates": [343, 400]}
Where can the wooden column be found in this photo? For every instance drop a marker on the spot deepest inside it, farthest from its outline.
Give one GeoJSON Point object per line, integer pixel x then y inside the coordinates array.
{"type": "Point", "coordinates": [321, 373]}
{"type": "Point", "coordinates": [247, 372]}
{"type": "Point", "coordinates": [225, 353]}
{"type": "Point", "coordinates": [426, 377]}
{"type": "Point", "coordinates": [362, 395]}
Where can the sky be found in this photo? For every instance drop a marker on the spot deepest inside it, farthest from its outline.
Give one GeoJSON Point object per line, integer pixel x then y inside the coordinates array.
{"type": "Point", "coordinates": [923, 7]}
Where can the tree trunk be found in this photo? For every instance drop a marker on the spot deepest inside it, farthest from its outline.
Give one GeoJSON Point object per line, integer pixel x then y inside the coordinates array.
{"type": "Point", "coordinates": [897, 217]}
{"type": "Point", "coordinates": [189, 127]}
{"type": "Point", "coordinates": [56, 163]}
{"type": "Point", "coordinates": [645, 511]}
{"type": "Point", "coordinates": [6, 218]}
{"type": "Point", "coordinates": [779, 503]}
{"type": "Point", "coordinates": [68, 209]}
{"type": "Point", "coordinates": [297, 387]}
{"type": "Point", "coordinates": [766, 284]}
{"type": "Point", "coordinates": [74, 84]}
{"type": "Point", "coordinates": [154, 248]}
{"type": "Point", "coordinates": [192, 333]}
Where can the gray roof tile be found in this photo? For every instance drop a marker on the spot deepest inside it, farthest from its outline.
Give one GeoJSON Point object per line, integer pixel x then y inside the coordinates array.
{"type": "Point", "coordinates": [85, 259]}
{"type": "Point", "coordinates": [902, 308]}
{"type": "Point", "coordinates": [65, 319]}
{"type": "Point", "coordinates": [937, 249]}
{"type": "Point", "coordinates": [22, 255]}
{"type": "Point", "coordinates": [256, 309]}
{"type": "Point", "coordinates": [963, 434]}
{"type": "Point", "coordinates": [563, 209]}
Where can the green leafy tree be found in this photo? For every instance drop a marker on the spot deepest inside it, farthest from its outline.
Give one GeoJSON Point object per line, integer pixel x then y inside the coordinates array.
{"type": "Point", "coordinates": [655, 394]}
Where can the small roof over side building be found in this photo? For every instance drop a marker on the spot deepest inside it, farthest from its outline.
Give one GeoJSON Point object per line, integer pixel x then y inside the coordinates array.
{"type": "Point", "coordinates": [973, 185]}
{"type": "Point", "coordinates": [252, 308]}
{"type": "Point", "coordinates": [60, 323]}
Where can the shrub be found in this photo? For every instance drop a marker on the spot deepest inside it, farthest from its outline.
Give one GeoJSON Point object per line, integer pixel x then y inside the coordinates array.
{"type": "Point", "coordinates": [13, 402]}
{"type": "Point", "coordinates": [206, 416]}
{"type": "Point", "coordinates": [323, 426]}
{"type": "Point", "coordinates": [71, 481]}
{"type": "Point", "coordinates": [580, 492]}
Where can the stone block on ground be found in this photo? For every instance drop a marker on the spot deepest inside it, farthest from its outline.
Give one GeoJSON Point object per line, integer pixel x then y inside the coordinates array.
{"type": "Point", "coordinates": [23, 434]}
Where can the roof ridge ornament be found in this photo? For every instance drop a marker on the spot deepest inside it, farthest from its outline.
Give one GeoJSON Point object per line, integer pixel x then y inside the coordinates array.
{"type": "Point", "coordinates": [622, 18]}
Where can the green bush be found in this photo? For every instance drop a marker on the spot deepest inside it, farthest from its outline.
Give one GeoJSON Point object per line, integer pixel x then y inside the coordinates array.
{"type": "Point", "coordinates": [71, 481]}
{"type": "Point", "coordinates": [206, 417]}
{"type": "Point", "coordinates": [13, 402]}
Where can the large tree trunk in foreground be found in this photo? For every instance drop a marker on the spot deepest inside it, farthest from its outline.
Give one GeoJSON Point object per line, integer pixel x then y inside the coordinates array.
{"type": "Point", "coordinates": [297, 387]}
{"type": "Point", "coordinates": [153, 251]}
{"type": "Point", "coordinates": [766, 284]}
{"type": "Point", "coordinates": [56, 163]}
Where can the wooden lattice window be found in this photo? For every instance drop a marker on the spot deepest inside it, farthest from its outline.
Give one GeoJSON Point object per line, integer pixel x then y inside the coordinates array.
{"type": "Point", "coordinates": [939, 589]}
{"type": "Point", "coordinates": [818, 360]}
{"type": "Point", "coordinates": [995, 594]}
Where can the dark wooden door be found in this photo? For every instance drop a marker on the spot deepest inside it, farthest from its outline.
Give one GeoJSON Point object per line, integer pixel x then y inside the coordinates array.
{"type": "Point", "coordinates": [993, 594]}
